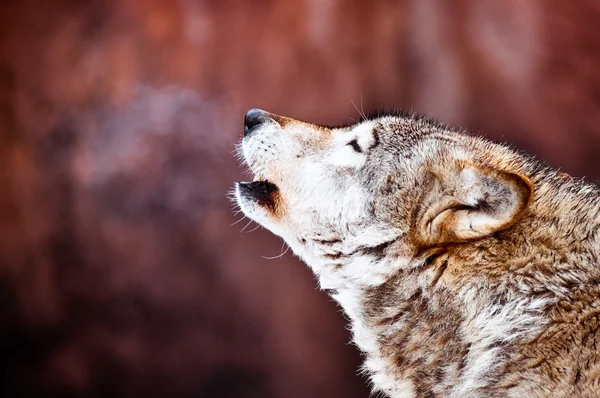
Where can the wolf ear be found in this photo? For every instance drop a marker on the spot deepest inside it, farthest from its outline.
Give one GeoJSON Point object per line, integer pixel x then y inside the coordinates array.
{"type": "Point", "coordinates": [470, 203]}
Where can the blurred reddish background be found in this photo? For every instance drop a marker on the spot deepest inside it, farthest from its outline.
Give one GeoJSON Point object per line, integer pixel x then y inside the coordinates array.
{"type": "Point", "coordinates": [120, 272]}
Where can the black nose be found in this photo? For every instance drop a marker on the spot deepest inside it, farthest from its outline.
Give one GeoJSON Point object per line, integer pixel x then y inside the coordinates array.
{"type": "Point", "coordinates": [254, 118]}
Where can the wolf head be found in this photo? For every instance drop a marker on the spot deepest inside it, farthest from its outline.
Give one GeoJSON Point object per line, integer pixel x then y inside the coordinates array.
{"type": "Point", "coordinates": [348, 199]}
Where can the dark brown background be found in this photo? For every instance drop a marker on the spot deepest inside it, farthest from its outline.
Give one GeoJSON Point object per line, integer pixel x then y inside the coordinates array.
{"type": "Point", "coordinates": [120, 272]}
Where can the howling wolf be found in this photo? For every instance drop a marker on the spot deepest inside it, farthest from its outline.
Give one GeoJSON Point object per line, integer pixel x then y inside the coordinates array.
{"type": "Point", "coordinates": [467, 269]}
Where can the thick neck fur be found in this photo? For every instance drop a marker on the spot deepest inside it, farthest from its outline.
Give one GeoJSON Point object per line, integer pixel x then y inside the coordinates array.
{"type": "Point", "coordinates": [451, 322]}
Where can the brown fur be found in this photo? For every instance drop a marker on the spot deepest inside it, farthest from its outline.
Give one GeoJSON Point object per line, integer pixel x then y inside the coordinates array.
{"type": "Point", "coordinates": [491, 287]}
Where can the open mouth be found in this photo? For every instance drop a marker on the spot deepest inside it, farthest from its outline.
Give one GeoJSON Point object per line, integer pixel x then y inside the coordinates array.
{"type": "Point", "coordinates": [263, 193]}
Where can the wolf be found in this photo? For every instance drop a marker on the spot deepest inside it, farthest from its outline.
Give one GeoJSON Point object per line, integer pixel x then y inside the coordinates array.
{"type": "Point", "coordinates": [466, 268]}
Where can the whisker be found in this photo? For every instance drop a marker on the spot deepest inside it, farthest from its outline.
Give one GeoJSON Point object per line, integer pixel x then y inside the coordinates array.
{"type": "Point", "coordinates": [356, 107]}
{"type": "Point", "coordinates": [257, 227]}
{"type": "Point", "coordinates": [279, 256]}
{"type": "Point", "coordinates": [243, 229]}
{"type": "Point", "coordinates": [362, 110]}
{"type": "Point", "coordinates": [360, 113]}
{"type": "Point", "coordinates": [238, 221]}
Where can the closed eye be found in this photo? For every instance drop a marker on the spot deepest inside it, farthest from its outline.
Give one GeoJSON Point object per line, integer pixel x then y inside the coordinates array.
{"type": "Point", "coordinates": [355, 146]}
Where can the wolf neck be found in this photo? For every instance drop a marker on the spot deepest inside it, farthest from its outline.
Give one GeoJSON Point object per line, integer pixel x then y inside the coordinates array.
{"type": "Point", "coordinates": [349, 283]}
{"type": "Point", "coordinates": [350, 280]}
{"type": "Point", "coordinates": [356, 266]}
{"type": "Point", "coordinates": [358, 297]}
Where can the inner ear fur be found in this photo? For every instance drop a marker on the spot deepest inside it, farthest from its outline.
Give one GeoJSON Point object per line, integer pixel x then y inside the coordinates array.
{"type": "Point", "coordinates": [469, 202]}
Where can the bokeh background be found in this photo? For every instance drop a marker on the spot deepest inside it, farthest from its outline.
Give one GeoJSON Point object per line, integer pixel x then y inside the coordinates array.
{"type": "Point", "coordinates": [121, 273]}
